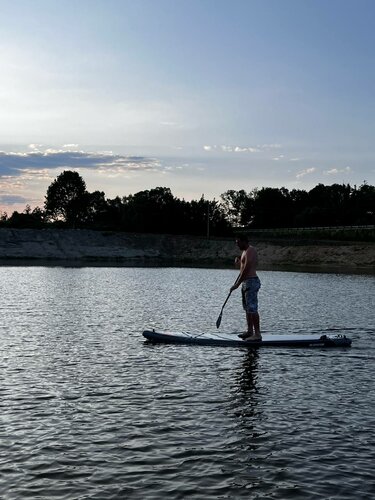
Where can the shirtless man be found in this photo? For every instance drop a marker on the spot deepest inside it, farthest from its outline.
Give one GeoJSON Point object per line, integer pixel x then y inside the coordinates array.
{"type": "Point", "coordinates": [250, 287]}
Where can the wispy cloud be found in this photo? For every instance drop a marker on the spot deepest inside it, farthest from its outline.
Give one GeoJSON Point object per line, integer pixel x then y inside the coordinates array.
{"type": "Point", "coordinates": [70, 157]}
{"type": "Point", "coordinates": [305, 172]}
{"type": "Point", "coordinates": [169, 124]}
{"type": "Point", "coordinates": [336, 171]}
{"type": "Point", "coordinates": [241, 149]}
{"type": "Point", "coordinates": [25, 174]}
{"type": "Point", "coordinates": [9, 199]}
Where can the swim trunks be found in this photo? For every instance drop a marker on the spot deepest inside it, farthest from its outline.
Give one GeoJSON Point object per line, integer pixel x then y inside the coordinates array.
{"type": "Point", "coordinates": [249, 289]}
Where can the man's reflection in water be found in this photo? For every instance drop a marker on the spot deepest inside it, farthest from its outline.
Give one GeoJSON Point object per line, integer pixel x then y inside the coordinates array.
{"type": "Point", "coordinates": [246, 399]}
{"type": "Point", "coordinates": [253, 447]}
{"type": "Point", "coordinates": [247, 376]}
{"type": "Point", "coordinates": [248, 412]}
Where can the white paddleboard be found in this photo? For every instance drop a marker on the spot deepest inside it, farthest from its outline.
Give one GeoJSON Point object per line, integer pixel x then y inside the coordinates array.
{"type": "Point", "coordinates": [232, 340]}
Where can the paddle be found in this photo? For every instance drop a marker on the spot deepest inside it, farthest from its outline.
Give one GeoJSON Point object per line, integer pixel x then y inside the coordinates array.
{"type": "Point", "coordinates": [218, 321]}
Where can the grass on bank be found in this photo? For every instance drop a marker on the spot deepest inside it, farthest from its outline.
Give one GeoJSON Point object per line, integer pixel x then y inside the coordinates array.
{"type": "Point", "coordinates": [339, 233]}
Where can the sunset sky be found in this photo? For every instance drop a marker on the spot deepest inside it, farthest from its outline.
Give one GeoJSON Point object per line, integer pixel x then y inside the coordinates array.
{"type": "Point", "coordinates": [200, 96]}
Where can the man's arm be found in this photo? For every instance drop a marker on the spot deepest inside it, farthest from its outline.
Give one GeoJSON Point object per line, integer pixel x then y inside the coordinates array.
{"type": "Point", "coordinates": [240, 277]}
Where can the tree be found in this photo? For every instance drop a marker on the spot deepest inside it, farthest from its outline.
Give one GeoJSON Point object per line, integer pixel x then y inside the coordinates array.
{"type": "Point", "coordinates": [27, 219]}
{"type": "Point", "coordinates": [154, 210]}
{"type": "Point", "coordinates": [363, 204]}
{"type": "Point", "coordinates": [218, 222]}
{"type": "Point", "coordinates": [272, 208]}
{"type": "Point", "coordinates": [97, 209]}
{"type": "Point", "coordinates": [329, 205]}
{"type": "Point", "coordinates": [67, 199]}
{"type": "Point", "coordinates": [115, 216]}
{"type": "Point", "coordinates": [238, 207]}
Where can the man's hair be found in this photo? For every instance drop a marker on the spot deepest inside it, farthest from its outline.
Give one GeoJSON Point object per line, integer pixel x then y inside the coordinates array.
{"type": "Point", "coordinates": [242, 237]}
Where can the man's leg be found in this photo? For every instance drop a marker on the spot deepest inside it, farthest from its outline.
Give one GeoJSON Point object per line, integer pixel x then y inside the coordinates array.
{"type": "Point", "coordinates": [256, 323]}
{"type": "Point", "coordinates": [250, 323]}
{"type": "Point", "coordinates": [250, 303]}
{"type": "Point", "coordinates": [253, 327]}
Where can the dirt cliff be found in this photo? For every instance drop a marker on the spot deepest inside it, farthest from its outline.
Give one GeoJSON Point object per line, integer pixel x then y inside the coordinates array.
{"type": "Point", "coordinates": [94, 247]}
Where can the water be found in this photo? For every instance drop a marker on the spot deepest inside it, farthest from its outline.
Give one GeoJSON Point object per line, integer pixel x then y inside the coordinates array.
{"type": "Point", "coordinates": [90, 411]}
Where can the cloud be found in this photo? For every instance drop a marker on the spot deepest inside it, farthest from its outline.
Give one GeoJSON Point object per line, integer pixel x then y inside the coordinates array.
{"type": "Point", "coordinates": [308, 171]}
{"type": "Point", "coordinates": [69, 157]}
{"type": "Point", "coordinates": [270, 146]}
{"type": "Point", "coordinates": [242, 149]}
{"type": "Point", "coordinates": [169, 124]}
{"type": "Point", "coordinates": [25, 174]}
{"type": "Point", "coordinates": [335, 171]}
{"type": "Point", "coordinates": [9, 199]}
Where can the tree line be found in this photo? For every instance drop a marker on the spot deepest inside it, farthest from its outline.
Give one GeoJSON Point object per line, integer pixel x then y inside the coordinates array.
{"type": "Point", "coordinates": [69, 204]}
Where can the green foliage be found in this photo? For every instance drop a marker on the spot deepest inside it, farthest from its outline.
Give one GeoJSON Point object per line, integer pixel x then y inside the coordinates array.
{"type": "Point", "coordinates": [27, 219]}
{"type": "Point", "coordinates": [239, 207]}
{"type": "Point", "coordinates": [97, 208]}
{"type": "Point", "coordinates": [67, 199]}
{"type": "Point", "coordinates": [150, 209]}
{"type": "Point", "coordinates": [69, 204]}
{"type": "Point", "coordinates": [158, 211]}
{"type": "Point", "coordinates": [339, 204]}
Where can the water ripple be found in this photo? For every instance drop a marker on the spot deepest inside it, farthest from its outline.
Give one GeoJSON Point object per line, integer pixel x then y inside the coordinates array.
{"type": "Point", "coordinates": [89, 411]}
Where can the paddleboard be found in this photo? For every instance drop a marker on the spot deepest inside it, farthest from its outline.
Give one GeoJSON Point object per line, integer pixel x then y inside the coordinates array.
{"type": "Point", "coordinates": [232, 340]}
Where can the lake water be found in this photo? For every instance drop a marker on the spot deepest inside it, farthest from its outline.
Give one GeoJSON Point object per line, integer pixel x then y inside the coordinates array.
{"type": "Point", "coordinates": [91, 411]}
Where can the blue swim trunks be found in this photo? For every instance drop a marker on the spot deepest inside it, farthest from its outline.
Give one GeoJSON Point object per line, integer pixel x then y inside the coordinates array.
{"type": "Point", "coordinates": [250, 288]}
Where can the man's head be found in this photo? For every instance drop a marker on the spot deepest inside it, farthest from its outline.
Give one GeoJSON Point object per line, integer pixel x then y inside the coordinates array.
{"type": "Point", "coordinates": [242, 241]}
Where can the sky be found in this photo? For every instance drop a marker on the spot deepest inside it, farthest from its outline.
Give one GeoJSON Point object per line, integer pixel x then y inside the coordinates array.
{"type": "Point", "coordinates": [200, 96]}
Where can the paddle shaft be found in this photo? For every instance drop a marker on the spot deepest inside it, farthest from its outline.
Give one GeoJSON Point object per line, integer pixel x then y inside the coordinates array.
{"type": "Point", "coordinates": [218, 321]}
{"type": "Point", "coordinates": [226, 300]}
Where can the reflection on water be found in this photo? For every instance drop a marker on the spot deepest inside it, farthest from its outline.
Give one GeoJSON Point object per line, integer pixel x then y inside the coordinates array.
{"type": "Point", "coordinates": [88, 410]}
{"type": "Point", "coordinates": [248, 374]}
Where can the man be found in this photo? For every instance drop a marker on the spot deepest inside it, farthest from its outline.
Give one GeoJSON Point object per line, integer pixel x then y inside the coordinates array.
{"type": "Point", "coordinates": [250, 286]}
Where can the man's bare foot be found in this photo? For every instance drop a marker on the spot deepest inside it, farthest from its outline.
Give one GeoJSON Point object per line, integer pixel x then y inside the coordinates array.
{"type": "Point", "coordinates": [250, 337]}
{"type": "Point", "coordinates": [244, 335]}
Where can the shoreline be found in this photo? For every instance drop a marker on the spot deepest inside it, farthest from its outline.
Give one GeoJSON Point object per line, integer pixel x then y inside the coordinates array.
{"type": "Point", "coordinates": [90, 248]}
{"type": "Point", "coordinates": [139, 263]}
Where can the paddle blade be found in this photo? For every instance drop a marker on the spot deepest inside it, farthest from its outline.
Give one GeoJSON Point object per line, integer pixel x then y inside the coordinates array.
{"type": "Point", "coordinates": [218, 321]}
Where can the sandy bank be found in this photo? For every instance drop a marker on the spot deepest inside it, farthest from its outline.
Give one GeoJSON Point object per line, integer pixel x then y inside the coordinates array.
{"type": "Point", "coordinates": [104, 247]}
